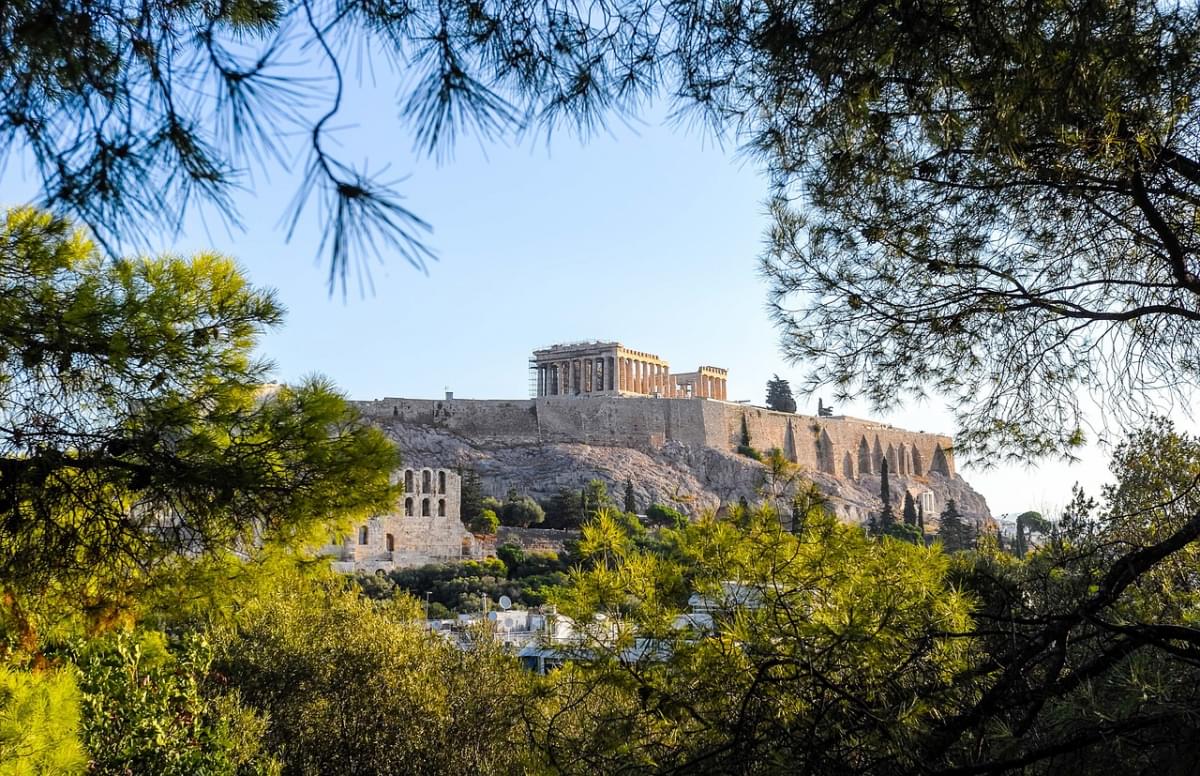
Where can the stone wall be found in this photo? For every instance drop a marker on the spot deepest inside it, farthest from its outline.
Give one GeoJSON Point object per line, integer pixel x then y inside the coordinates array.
{"type": "Point", "coordinates": [841, 446]}
{"type": "Point", "coordinates": [425, 527]}
{"type": "Point", "coordinates": [536, 539]}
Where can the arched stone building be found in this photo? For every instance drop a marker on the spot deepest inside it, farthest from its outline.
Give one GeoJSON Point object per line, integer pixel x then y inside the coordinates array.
{"type": "Point", "coordinates": [425, 527]}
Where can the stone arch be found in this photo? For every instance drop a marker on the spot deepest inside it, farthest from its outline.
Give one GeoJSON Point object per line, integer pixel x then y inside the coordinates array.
{"type": "Point", "coordinates": [441, 507]}
{"type": "Point", "coordinates": [408, 480]}
{"type": "Point", "coordinates": [877, 456]}
{"type": "Point", "coordinates": [391, 543]}
{"type": "Point", "coordinates": [940, 464]}
{"type": "Point", "coordinates": [848, 465]}
{"type": "Point", "coordinates": [864, 457]}
{"type": "Point", "coordinates": [363, 534]}
{"type": "Point", "coordinates": [441, 482]}
{"type": "Point", "coordinates": [825, 460]}
{"type": "Point", "coordinates": [424, 507]}
{"type": "Point", "coordinates": [918, 465]}
{"type": "Point", "coordinates": [408, 507]}
{"type": "Point", "coordinates": [426, 481]}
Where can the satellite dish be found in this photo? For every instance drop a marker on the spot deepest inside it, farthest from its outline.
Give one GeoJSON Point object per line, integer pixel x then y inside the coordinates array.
{"type": "Point", "coordinates": [492, 616]}
{"type": "Point", "coordinates": [505, 602]}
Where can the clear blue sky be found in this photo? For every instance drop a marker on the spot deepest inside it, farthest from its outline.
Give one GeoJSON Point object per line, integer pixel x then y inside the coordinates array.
{"type": "Point", "coordinates": [647, 235]}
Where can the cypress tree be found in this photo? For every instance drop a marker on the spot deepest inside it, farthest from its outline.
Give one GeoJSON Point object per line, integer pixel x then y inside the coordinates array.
{"type": "Point", "coordinates": [886, 518]}
{"type": "Point", "coordinates": [471, 495]}
{"type": "Point", "coordinates": [910, 510]}
{"type": "Point", "coordinates": [630, 502]}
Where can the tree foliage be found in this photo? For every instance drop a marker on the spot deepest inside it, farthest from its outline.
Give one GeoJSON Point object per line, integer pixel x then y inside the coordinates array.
{"type": "Point", "coordinates": [841, 688]}
{"type": "Point", "coordinates": [134, 424]}
{"type": "Point", "coordinates": [779, 395]}
{"type": "Point", "coordinates": [954, 530]}
{"type": "Point", "coordinates": [353, 686]}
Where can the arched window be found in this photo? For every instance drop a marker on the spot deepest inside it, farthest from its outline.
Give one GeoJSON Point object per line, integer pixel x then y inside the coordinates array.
{"type": "Point", "coordinates": [408, 507]}
{"type": "Point", "coordinates": [362, 535]}
{"type": "Point", "coordinates": [426, 481]}
{"type": "Point", "coordinates": [391, 543]}
{"type": "Point", "coordinates": [441, 482]}
{"type": "Point", "coordinates": [424, 507]}
{"type": "Point", "coordinates": [441, 507]}
{"type": "Point", "coordinates": [408, 481]}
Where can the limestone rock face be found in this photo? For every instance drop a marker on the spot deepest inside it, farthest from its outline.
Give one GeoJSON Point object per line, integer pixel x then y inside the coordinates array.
{"type": "Point", "coordinates": [692, 478]}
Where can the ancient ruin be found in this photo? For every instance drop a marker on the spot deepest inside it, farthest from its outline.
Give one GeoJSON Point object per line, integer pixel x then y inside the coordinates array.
{"type": "Point", "coordinates": [426, 527]}
{"type": "Point", "coordinates": [611, 369]}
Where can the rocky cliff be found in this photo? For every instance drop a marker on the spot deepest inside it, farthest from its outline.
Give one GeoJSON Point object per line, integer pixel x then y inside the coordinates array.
{"type": "Point", "coordinates": [691, 477]}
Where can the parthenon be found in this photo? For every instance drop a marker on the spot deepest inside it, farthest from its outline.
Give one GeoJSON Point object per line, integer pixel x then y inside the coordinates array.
{"type": "Point", "coordinates": [611, 369]}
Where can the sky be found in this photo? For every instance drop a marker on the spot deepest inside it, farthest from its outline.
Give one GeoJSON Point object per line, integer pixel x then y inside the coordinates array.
{"type": "Point", "coordinates": [647, 234]}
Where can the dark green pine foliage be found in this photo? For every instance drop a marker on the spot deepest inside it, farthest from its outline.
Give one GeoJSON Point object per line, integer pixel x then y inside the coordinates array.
{"type": "Point", "coordinates": [630, 501]}
{"type": "Point", "coordinates": [921, 518]}
{"type": "Point", "coordinates": [886, 517]}
{"type": "Point", "coordinates": [910, 510]}
{"type": "Point", "coordinates": [779, 395]}
{"type": "Point", "coordinates": [955, 532]}
{"type": "Point", "coordinates": [471, 494]}
{"type": "Point", "coordinates": [745, 433]}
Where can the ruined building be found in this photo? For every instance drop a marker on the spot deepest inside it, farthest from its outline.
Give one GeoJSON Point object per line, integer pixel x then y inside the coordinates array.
{"type": "Point", "coordinates": [611, 369]}
{"type": "Point", "coordinates": [426, 527]}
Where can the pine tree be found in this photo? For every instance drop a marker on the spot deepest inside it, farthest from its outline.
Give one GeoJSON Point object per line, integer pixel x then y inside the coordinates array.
{"type": "Point", "coordinates": [630, 502]}
{"type": "Point", "coordinates": [779, 395]}
{"type": "Point", "coordinates": [910, 510]}
{"type": "Point", "coordinates": [955, 532]}
{"type": "Point", "coordinates": [921, 518]}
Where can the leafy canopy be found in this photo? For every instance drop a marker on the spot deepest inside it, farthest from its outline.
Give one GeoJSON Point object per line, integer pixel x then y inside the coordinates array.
{"type": "Point", "coordinates": [135, 427]}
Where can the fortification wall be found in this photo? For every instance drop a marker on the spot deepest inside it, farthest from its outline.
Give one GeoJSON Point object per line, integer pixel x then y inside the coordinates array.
{"type": "Point", "coordinates": [841, 446]}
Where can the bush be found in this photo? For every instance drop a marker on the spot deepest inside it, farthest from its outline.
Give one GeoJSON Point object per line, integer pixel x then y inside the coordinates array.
{"type": "Point", "coordinates": [350, 686]}
{"type": "Point", "coordinates": [486, 522]}
{"type": "Point", "coordinates": [147, 709]}
{"type": "Point", "coordinates": [521, 511]}
{"type": "Point", "coordinates": [658, 514]}
{"type": "Point", "coordinates": [750, 452]}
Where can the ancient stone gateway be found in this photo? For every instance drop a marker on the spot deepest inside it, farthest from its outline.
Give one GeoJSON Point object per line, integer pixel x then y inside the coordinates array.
{"type": "Point", "coordinates": [611, 369]}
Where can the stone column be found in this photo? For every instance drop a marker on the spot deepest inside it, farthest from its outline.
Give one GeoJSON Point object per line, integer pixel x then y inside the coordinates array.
{"type": "Point", "coordinates": [611, 361]}
{"type": "Point", "coordinates": [541, 381]}
{"type": "Point", "coordinates": [601, 375]}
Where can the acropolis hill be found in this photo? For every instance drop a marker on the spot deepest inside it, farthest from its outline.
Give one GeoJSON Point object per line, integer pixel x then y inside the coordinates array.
{"type": "Point", "coordinates": [601, 410]}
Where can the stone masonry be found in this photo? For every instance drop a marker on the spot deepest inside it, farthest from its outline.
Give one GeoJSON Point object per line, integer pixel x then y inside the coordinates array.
{"type": "Point", "coordinates": [425, 527]}
{"type": "Point", "coordinates": [611, 369]}
{"type": "Point", "coordinates": [840, 446]}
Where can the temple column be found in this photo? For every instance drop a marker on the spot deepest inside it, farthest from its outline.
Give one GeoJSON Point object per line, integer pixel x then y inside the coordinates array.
{"type": "Point", "coordinates": [612, 370]}
{"type": "Point", "coordinates": [660, 384]}
{"type": "Point", "coordinates": [541, 381]}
